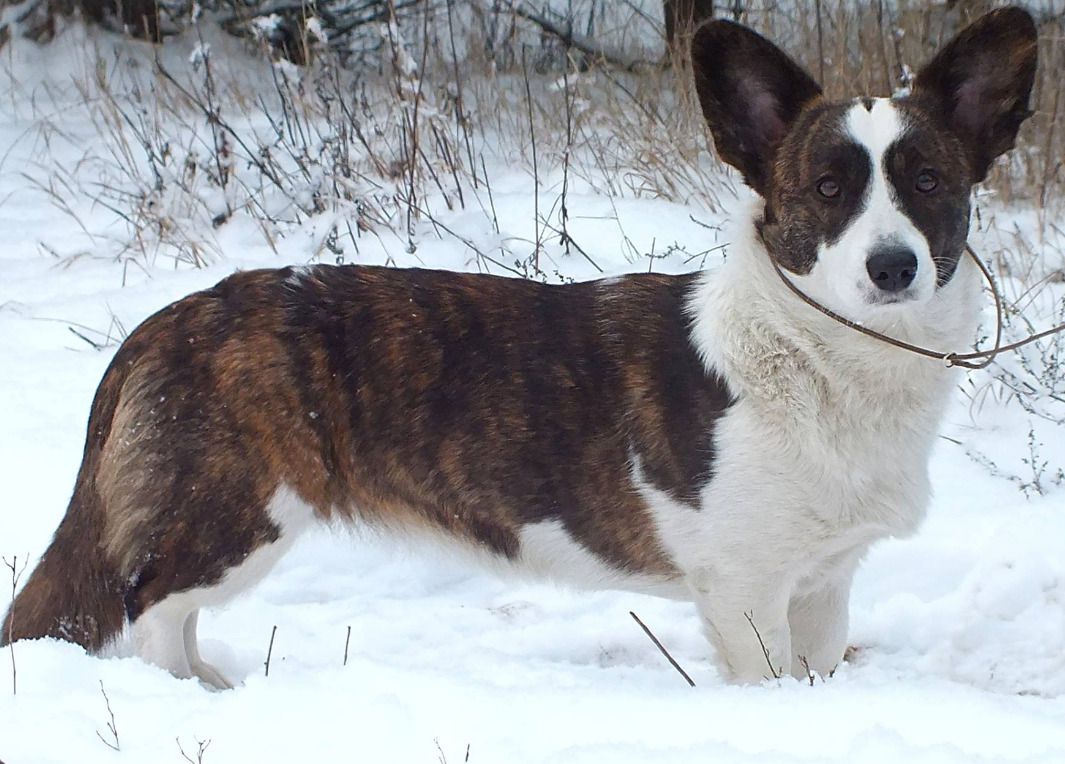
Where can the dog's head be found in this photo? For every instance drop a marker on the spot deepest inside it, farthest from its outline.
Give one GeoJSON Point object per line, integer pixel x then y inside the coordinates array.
{"type": "Point", "coordinates": [867, 201]}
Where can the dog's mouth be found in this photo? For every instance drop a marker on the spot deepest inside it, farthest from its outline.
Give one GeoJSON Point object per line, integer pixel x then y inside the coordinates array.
{"type": "Point", "coordinates": [878, 298]}
{"type": "Point", "coordinates": [899, 298]}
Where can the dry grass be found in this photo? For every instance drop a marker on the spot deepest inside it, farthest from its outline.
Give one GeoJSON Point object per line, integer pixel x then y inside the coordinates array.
{"type": "Point", "coordinates": [190, 146]}
{"type": "Point", "coordinates": [455, 83]}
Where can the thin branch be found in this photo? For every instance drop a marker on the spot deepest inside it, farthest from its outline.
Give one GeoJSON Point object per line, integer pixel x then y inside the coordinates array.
{"type": "Point", "coordinates": [564, 211]}
{"type": "Point", "coordinates": [809, 672]}
{"type": "Point", "coordinates": [577, 41]}
{"type": "Point", "coordinates": [80, 336]}
{"type": "Point", "coordinates": [270, 650]}
{"type": "Point", "coordinates": [573, 242]}
{"type": "Point", "coordinates": [382, 15]}
{"type": "Point", "coordinates": [16, 574]}
{"type": "Point", "coordinates": [111, 726]}
{"type": "Point", "coordinates": [536, 168]}
{"type": "Point", "coordinates": [491, 200]}
{"type": "Point", "coordinates": [765, 650]}
{"type": "Point", "coordinates": [662, 649]}
{"type": "Point", "coordinates": [476, 250]}
{"type": "Point", "coordinates": [201, 749]}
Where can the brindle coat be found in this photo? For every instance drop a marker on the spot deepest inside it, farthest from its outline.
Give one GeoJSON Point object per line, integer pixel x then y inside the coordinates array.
{"type": "Point", "coordinates": [470, 404]}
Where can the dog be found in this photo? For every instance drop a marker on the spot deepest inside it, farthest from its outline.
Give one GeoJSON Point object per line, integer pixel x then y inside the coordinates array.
{"type": "Point", "coordinates": [707, 437]}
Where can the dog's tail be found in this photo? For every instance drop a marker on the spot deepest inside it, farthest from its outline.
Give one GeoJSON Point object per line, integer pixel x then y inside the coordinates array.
{"type": "Point", "coordinates": [75, 592]}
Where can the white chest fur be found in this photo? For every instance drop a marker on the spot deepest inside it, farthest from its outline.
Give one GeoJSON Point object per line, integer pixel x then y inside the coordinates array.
{"type": "Point", "coordinates": [824, 452]}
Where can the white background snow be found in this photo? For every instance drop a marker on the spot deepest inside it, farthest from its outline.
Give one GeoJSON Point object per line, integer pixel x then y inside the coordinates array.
{"type": "Point", "coordinates": [960, 630]}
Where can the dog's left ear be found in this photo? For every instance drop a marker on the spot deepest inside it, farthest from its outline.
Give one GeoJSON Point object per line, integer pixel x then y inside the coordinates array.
{"type": "Point", "coordinates": [980, 83]}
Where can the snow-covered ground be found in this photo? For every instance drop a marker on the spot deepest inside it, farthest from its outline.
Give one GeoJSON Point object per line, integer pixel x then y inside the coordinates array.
{"type": "Point", "coordinates": [960, 630]}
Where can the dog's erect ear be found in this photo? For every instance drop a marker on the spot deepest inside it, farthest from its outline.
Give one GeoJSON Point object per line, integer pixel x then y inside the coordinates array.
{"type": "Point", "coordinates": [750, 92]}
{"type": "Point", "coordinates": [980, 83]}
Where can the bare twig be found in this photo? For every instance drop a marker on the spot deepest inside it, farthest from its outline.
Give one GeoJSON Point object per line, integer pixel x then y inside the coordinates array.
{"type": "Point", "coordinates": [573, 242]}
{"type": "Point", "coordinates": [111, 726]}
{"type": "Point", "coordinates": [806, 667]}
{"type": "Point", "coordinates": [491, 199]}
{"type": "Point", "coordinates": [536, 168]}
{"type": "Point", "coordinates": [16, 574]}
{"type": "Point", "coordinates": [270, 650]}
{"type": "Point", "coordinates": [388, 12]}
{"type": "Point", "coordinates": [94, 345]}
{"type": "Point", "coordinates": [201, 749]}
{"type": "Point", "coordinates": [441, 757]}
{"type": "Point", "coordinates": [765, 650]}
{"type": "Point", "coordinates": [577, 41]}
{"type": "Point", "coordinates": [462, 121]}
{"type": "Point", "coordinates": [473, 247]}
{"type": "Point", "coordinates": [702, 224]}
{"type": "Point", "coordinates": [347, 641]}
{"type": "Point", "coordinates": [564, 211]}
{"type": "Point", "coordinates": [662, 649]}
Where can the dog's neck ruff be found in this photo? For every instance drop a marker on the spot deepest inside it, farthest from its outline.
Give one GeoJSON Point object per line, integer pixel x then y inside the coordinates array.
{"type": "Point", "coordinates": [745, 320]}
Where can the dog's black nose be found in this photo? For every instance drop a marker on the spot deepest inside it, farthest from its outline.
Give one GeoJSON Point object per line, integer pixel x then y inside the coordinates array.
{"type": "Point", "coordinates": [892, 268]}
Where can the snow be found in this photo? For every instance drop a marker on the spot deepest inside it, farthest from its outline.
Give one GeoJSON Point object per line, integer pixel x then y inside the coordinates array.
{"type": "Point", "coordinates": [960, 630]}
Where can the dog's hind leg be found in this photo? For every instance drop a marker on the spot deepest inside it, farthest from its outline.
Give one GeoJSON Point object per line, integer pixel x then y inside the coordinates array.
{"type": "Point", "coordinates": [203, 568]}
{"type": "Point", "coordinates": [159, 636]}
{"type": "Point", "coordinates": [206, 673]}
{"type": "Point", "coordinates": [166, 637]}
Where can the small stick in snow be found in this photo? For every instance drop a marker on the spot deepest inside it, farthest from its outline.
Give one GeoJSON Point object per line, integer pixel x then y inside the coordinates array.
{"type": "Point", "coordinates": [347, 641]}
{"type": "Point", "coordinates": [765, 650]}
{"type": "Point", "coordinates": [270, 649]}
{"type": "Point", "coordinates": [201, 749]}
{"type": "Point", "coordinates": [80, 336]}
{"type": "Point", "coordinates": [441, 757]}
{"type": "Point", "coordinates": [662, 649]}
{"type": "Point", "coordinates": [16, 574]}
{"type": "Point", "coordinates": [806, 667]}
{"type": "Point", "coordinates": [111, 726]}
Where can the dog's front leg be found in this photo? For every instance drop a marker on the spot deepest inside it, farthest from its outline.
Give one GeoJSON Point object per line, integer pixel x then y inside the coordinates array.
{"type": "Point", "coordinates": [746, 619]}
{"type": "Point", "coordinates": [819, 621]}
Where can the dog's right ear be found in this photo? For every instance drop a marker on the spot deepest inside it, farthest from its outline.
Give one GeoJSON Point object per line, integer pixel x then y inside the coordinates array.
{"type": "Point", "coordinates": [750, 92]}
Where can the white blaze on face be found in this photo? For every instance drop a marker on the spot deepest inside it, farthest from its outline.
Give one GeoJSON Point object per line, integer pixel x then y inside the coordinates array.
{"type": "Point", "coordinates": [840, 275]}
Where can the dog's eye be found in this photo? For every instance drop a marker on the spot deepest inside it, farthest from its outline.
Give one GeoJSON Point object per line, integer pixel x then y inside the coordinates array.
{"type": "Point", "coordinates": [927, 182]}
{"type": "Point", "coordinates": [828, 188]}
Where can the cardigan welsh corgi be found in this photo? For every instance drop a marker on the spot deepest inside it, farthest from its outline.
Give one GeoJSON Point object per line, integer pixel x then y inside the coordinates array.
{"type": "Point", "coordinates": [708, 436]}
